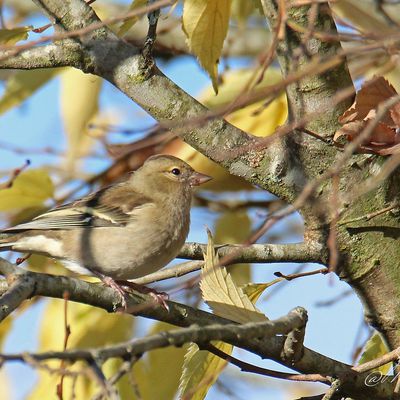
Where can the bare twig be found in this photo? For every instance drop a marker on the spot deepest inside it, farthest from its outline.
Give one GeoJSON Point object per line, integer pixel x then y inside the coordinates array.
{"type": "Point", "coordinates": [393, 355]}
{"type": "Point", "coordinates": [292, 350]}
{"type": "Point", "coordinates": [67, 333]}
{"type": "Point", "coordinates": [203, 330]}
{"type": "Point", "coordinates": [333, 392]}
{"type": "Point", "coordinates": [369, 216]}
{"type": "Point", "coordinates": [302, 274]}
{"type": "Point", "coordinates": [14, 175]}
{"type": "Point", "coordinates": [12, 51]}
{"type": "Point", "coordinates": [246, 367]}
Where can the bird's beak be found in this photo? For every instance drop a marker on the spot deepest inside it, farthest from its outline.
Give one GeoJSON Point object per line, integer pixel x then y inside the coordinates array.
{"type": "Point", "coordinates": [198, 179]}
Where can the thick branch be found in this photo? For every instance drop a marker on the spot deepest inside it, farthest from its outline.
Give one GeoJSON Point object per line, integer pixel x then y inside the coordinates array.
{"type": "Point", "coordinates": [139, 304]}
{"type": "Point", "coordinates": [60, 54]}
{"type": "Point", "coordinates": [295, 52]}
{"type": "Point", "coordinates": [19, 291]}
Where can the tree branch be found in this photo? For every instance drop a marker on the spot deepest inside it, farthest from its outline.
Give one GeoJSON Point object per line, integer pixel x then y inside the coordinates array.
{"type": "Point", "coordinates": [181, 315]}
{"type": "Point", "coordinates": [104, 54]}
{"type": "Point", "coordinates": [258, 253]}
{"type": "Point", "coordinates": [61, 54]}
{"type": "Point", "coordinates": [229, 333]}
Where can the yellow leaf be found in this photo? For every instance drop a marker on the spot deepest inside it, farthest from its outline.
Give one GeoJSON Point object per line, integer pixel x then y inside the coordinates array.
{"type": "Point", "coordinates": [241, 10]}
{"type": "Point", "coordinates": [12, 36]}
{"type": "Point", "coordinates": [255, 290]}
{"type": "Point", "coordinates": [200, 370]}
{"type": "Point", "coordinates": [222, 295]}
{"type": "Point", "coordinates": [226, 232]}
{"type": "Point", "coordinates": [22, 84]}
{"type": "Point", "coordinates": [30, 189]}
{"type": "Point", "coordinates": [128, 23]}
{"type": "Point", "coordinates": [255, 119]}
{"type": "Point", "coordinates": [163, 366]}
{"type": "Point", "coordinates": [205, 23]}
{"type": "Point", "coordinates": [6, 390]}
{"type": "Point", "coordinates": [5, 328]}
{"type": "Point", "coordinates": [79, 104]}
{"type": "Point", "coordinates": [90, 327]}
{"type": "Point", "coordinates": [374, 348]}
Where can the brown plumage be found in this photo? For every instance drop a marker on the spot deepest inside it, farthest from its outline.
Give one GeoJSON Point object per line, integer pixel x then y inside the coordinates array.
{"type": "Point", "coordinates": [124, 231]}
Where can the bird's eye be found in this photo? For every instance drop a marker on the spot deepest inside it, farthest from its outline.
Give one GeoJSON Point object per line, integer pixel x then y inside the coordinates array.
{"type": "Point", "coordinates": [176, 171]}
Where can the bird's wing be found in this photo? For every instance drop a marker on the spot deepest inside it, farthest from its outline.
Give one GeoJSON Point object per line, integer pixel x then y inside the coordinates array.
{"type": "Point", "coordinates": [104, 208]}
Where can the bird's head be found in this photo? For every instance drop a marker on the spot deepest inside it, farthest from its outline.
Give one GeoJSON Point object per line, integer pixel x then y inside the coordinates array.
{"type": "Point", "coordinates": [166, 171]}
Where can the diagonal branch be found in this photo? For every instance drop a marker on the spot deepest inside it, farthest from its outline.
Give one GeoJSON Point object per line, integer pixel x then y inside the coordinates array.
{"type": "Point", "coordinates": [60, 54]}
{"type": "Point", "coordinates": [106, 55]}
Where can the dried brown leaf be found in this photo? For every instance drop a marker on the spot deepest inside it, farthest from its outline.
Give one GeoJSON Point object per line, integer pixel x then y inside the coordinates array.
{"type": "Point", "coordinates": [383, 139]}
{"type": "Point", "coordinates": [371, 94]}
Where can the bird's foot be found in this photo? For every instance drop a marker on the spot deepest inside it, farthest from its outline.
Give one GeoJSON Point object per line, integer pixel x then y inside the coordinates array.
{"type": "Point", "coordinates": [119, 289]}
{"type": "Point", "coordinates": [160, 298]}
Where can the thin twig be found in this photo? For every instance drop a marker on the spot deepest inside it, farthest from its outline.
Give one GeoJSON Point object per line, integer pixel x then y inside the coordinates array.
{"type": "Point", "coordinates": [290, 277]}
{"type": "Point", "coordinates": [370, 215]}
{"type": "Point", "coordinates": [67, 333]}
{"type": "Point", "coordinates": [12, 51]}
{"type": "Point", "coordinates": [247, 367]}
{"type": "Point", "coordinates": [393, 355]}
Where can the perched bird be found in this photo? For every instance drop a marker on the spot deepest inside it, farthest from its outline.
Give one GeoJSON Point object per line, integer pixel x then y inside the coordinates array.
{"type": "Point", "coordinates": [120, 232]}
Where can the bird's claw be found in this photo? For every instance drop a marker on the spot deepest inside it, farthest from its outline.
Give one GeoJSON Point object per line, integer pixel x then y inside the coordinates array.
{"type": "Point", "coordinates": [160, 298]}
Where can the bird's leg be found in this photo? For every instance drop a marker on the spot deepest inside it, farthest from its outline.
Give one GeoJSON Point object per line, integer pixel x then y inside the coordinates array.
{"type": "Point", "coordinates": [160, 297]}
{"type": "Point", "coordinates": [108, 281]}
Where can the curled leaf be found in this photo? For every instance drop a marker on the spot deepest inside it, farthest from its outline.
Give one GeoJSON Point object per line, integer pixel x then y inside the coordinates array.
{"type": "Point", "coordinates": [384, 138]}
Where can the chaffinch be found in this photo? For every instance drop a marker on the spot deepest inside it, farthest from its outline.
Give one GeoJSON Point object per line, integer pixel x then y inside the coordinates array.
{"type": "Point", "coordinates": [120, 232]}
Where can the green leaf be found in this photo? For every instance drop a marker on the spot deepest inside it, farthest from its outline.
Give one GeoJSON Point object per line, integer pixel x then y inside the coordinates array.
{"type": "Point", "coordinates": [205, 23]}
{"type": "Point", "coordinates": [375, 348]}
{"type": "Point", "coordinates": [30, 189]}
{"type": "Point", "coordinates": [22, 84]}
{"type": "Point", "coordinates": [12, 36]}
{"type": "Point", "coordinates": [128, 23]}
